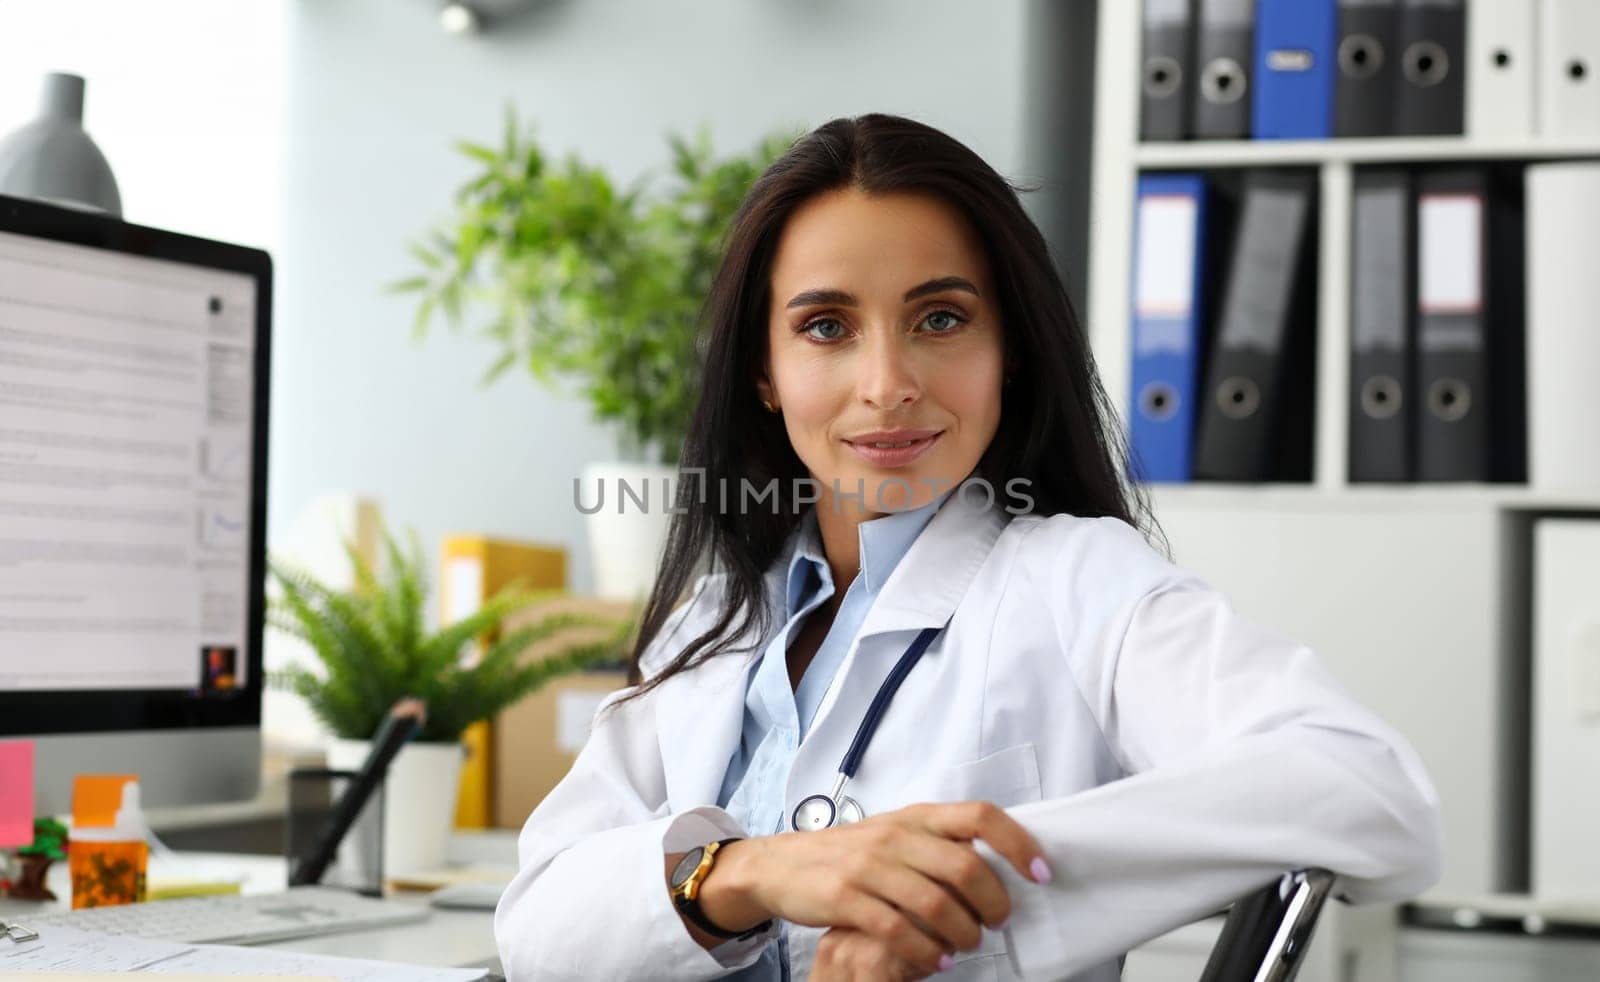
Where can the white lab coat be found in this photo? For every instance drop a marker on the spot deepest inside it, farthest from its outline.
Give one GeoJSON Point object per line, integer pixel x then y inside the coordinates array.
{"type": "Point", "coordinates": [1168, 755]}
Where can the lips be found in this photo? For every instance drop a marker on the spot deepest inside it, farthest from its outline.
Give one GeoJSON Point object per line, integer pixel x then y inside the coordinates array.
{"type": "Point", "coordinates": [892, 436]}
{"type": "Point", "coordinates": [893, 448]}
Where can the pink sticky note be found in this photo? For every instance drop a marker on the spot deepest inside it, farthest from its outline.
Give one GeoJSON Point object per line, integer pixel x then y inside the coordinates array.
{"type": "Point", "coordinates": [16, 793]}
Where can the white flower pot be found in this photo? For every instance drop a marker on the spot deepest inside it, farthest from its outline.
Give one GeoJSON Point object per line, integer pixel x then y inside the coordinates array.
{"type": "Point", "coordinates": [625, 547]}
{"type": "Point", "coordinates": [419, 800]}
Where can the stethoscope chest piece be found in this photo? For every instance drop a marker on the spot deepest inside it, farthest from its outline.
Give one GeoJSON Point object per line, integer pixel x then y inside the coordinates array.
{"type": "Point", "coordinates": [815, 813]}
{"type": "Point", "coordinates": [819, 812]}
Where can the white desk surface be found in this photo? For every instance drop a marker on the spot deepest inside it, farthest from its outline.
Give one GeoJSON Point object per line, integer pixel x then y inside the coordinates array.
{"type": "Point", "coordinates": [447, 938]}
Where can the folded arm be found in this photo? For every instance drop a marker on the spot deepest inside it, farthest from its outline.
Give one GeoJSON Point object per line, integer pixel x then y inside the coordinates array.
{"type": "Point", "coordinates": [1245, 759]}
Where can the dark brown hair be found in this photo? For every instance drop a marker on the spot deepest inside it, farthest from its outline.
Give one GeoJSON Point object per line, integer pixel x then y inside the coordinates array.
{"type": "Point", "coordinates": [1057, 428]}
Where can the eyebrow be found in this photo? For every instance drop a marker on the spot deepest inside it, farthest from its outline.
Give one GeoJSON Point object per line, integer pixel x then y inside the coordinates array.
{"type": "Point", "coordinates": [840, 298]}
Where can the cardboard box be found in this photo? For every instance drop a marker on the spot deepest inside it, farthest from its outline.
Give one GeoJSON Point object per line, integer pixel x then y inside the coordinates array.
{"type": "Point", "coordinates": [535, 741]}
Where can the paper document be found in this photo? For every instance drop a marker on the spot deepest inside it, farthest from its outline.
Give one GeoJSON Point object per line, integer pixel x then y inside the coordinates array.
{"type": "Point", "coordinates": [452, 877]}
{"type": "Point", "coordinates": [67, 950]}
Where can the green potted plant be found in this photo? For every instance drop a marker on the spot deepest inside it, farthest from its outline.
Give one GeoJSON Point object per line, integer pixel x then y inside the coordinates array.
{"type": "Point", "coordinates": [571, 277]}
{"type": "Point", "coordinates": [49, 844]}
{"type": "Point", "coordinates": [373, 650]}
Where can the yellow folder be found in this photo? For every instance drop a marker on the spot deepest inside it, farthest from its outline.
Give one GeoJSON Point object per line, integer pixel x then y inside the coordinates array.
{"type": "Point", "coordinates": [475, 568]}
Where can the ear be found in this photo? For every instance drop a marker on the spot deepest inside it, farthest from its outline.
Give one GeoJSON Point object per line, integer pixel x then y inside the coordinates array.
{"type": "Point", "coordinates": [765, 390]}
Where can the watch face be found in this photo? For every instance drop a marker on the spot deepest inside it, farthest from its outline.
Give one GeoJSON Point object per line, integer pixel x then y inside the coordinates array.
{"type": "Point", "coordinates": [686, 866]}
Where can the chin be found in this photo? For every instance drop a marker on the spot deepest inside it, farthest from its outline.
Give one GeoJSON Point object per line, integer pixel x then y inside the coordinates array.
{"type": "Point", "coordinates": [902, 490]}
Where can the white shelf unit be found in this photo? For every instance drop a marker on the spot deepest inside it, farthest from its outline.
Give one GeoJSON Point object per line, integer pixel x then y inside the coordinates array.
{"type": "Point", "coordinates": [1414, 595]}
{"type": "Point", "coordinates": [1209, 154]}
{"type": "Point", "coordinates": [1120, 157]}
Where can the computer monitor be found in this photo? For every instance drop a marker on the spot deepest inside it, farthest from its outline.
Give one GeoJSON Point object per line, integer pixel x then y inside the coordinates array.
{"type": "Point", "coordinates": [133, 442]}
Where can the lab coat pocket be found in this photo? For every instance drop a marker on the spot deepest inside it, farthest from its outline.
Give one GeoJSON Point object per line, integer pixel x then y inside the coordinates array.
{"type": "Point", "coordinates": [1005, 777]}
{"type": "Point", "coordinates": [980, 967]}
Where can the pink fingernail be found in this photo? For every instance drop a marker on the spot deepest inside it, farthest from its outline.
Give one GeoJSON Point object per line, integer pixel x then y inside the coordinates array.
{"type": "Point", "coordinates": [946, 963]}
{"type": "Point", "coordinates": [1040, 871]}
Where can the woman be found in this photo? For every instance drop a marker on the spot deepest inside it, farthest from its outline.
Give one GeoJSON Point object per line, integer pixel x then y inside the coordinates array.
{"type": "Point", "coordinates": [902, 444]}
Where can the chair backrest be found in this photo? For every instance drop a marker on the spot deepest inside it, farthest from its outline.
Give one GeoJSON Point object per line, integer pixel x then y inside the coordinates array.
{"type": "Point", "coordinates": [1267, 932]}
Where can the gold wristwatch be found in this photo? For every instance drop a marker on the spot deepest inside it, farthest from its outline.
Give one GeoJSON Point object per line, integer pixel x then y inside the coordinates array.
{"type": "Point", "coordinates": [687, 878]}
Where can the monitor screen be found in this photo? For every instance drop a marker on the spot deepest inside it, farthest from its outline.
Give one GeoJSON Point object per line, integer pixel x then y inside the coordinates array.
{"type": "Point", "coordinates": [133, 393]}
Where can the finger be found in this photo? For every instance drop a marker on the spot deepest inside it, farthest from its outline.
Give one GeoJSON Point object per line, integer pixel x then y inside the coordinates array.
{"type": "Point", "coordinates": [884, 923]}
{"type": "Point", "coordinates": [847, 954]}
{"type": "Point", "coordinates": [886, 965]}
{"type": "Point", "coordinates": [968, 820]}
{"type": "Point", "coordinates": [872, 961]}
{"type": "Point", "coordinates": [828, 962]}
{"type": "Point", "coordinates": [864, 957]}
{"type": "Point", "coordinates": [958, 867]}
{"type": "Point", "coordinates": [932, 907]}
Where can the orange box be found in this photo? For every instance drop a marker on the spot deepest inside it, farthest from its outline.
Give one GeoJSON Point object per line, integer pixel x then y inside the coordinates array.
{"type": "Point", "coordinates": [107, 873]}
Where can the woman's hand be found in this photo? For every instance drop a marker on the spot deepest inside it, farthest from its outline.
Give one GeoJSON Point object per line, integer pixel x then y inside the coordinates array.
{"type": "Point", "coordinates": [909, 879]}
{"type": "Point", "coordinates": [847, 955]}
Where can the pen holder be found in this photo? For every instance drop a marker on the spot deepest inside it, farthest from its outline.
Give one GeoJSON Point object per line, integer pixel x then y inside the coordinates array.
{"type": "Point", "coordinates": [358, 865]}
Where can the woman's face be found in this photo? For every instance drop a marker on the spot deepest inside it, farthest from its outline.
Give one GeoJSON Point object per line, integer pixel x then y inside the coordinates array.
{"type": "Point", "coordinates": [885, 349]}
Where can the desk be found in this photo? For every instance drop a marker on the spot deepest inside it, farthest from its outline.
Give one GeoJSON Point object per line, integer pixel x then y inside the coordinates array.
{"type": "Point", "coordinates": [447, 938]}
{"type": "Point", "coordinates": [458, 938]}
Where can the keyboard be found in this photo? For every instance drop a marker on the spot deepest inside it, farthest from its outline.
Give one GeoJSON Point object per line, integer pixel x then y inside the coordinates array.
{"type": "Point", "coordinates": [241, 919]}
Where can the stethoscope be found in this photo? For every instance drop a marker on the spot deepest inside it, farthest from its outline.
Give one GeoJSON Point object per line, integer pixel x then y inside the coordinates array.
{"type": "Point", "coordinates": [824, 811]}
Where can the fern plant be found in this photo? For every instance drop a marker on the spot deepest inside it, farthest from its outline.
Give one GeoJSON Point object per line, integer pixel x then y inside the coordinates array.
{"type": "Point", "coordinates": [375, 650]}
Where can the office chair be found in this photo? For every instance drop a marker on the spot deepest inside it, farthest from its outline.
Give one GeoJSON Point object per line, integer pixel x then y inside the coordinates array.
{"type": "Point", "coordinates": [1267, 932]}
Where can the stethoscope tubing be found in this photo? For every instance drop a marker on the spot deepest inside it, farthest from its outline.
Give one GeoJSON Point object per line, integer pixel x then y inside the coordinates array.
{"type": "Point", "coordinates": [837, 801]}
{"type": "Point", "coordinates": [880, 702]}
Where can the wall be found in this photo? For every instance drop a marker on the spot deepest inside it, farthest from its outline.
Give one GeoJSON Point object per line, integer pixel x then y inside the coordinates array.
{"type": "Point", "coordinates": [184, 98]}
{"type": "Point", "coordinates": [377, 92]}
{"type": "Point", "coordinates": [321, 130]}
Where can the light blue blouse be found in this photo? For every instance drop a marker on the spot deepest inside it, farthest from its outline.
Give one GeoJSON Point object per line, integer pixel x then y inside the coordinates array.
{"type": "Point", "coordinates": [776, 718]}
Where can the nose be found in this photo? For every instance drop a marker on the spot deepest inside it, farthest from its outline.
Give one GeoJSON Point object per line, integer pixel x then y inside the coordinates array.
{"type": "Point", "coordinates": [887, 376]}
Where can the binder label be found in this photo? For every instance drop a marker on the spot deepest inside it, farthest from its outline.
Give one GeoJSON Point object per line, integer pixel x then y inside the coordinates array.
{"type": "Point", "coordinates": [1450, 260]}
{"type": "Point", "coordinates": [1165, 277]}
{"type": "Point", "coordinates": [1166, 12]}
{"type": "Point", "coordinates": [1380, 296]}
{"type": "Point", "coordinates": [1228, 14]}
{"type": "Point", "coordinates": [463, 588]}
{"type": "Point", "coordinates": [575, 713]}
{"type": "Point", "coordinates": [1291, 60]}
{"type": "Point", "coordinates": [1256, 305]}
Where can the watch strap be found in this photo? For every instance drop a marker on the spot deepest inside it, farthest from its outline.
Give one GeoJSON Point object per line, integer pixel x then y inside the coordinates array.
{"type": "Point", "coordinates": [690, 908]}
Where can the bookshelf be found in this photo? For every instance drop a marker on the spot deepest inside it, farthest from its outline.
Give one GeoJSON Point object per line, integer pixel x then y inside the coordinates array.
{"type": "Point", "coordinates": [1416, 596]}
{"type": "Point", "coordinates": [1212, 154]}
{"type": "Point", "coordinates": [1119, 158]}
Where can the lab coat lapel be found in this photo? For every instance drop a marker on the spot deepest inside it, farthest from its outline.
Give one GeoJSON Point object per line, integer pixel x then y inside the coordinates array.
{"type": "Point", "coordinates": [933, 576]}
{"type": "Point", "coordinates": [700, 713]}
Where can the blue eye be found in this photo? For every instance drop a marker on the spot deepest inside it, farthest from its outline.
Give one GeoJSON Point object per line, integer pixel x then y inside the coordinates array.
{"type": "Point", "coordinates": [815, 329]}
{"type": "Point", "coordinates": [950, 320]}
